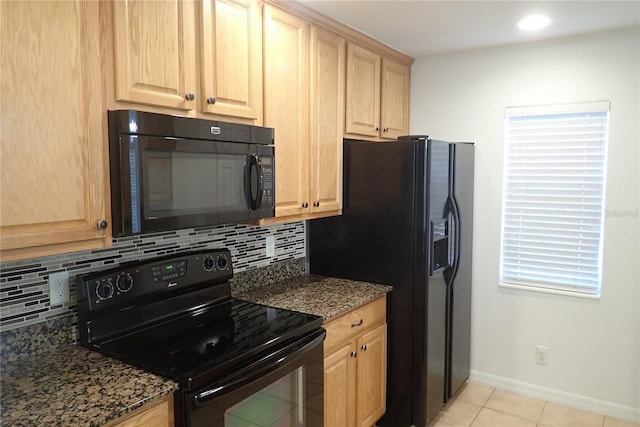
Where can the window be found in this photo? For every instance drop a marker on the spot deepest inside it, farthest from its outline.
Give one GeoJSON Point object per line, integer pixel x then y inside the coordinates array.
{"type": "Point", "coordinates": [553, 199]}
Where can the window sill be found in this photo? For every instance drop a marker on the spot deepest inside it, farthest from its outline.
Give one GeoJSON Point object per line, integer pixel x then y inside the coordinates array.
{"type": "Point", "coordinates": [547, 290]}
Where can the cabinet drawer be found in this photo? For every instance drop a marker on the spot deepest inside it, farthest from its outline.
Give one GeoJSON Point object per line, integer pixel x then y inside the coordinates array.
{"type": "Point", "coordinates": [354, 322]}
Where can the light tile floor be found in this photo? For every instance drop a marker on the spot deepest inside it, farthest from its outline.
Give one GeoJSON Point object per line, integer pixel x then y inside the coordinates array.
{"type": "Point", "coordinates": [477, 405]}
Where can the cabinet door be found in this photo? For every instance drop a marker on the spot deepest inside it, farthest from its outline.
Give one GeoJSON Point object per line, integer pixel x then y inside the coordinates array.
{"type": "Point", "coordinates": [231, 58]}
{"type": "Point", "coordinates": [159, 414]}
{"type": "Point", "coordinates": [155, 52]}
{"type": "Point", "coordinates": [395, 99]}
{"type": "Point", "coordinates": [327, 113]}
{"type": "Point", "coordinates": [53, 150]}
{"type": "Point", "coordinates": [286, 106]}
{"type": "Point", "coordinates": [363, 92]}
{"type": "Point", "coordinates": [371, 376]}
{"type": "Point", "coordinates": [340, 387]}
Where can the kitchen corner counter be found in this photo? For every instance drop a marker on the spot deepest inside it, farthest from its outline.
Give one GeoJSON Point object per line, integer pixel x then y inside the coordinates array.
{"type": "Point", "coordinates": [328, 297]}
{"type": "Point", "coordinates": [73, 386]}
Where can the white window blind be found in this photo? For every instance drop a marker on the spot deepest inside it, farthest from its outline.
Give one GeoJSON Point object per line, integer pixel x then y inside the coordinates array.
{"type": "Point", "coordinates": [553, 200]}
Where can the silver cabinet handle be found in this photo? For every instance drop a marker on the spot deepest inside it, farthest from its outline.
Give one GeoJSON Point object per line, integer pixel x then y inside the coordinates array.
{"type": "Point", "coordinates": [305, 205]}
{"type": "Point", "coordinates": [102, 224]}
{"type": "Point", "coordinates": [190, 96]}
{"type": "Point", "coordinates": [211, 100]}
{"type": "Point", "coordinates": [354, 354]}
{"type": "Point", "coordinates": [363, 347]}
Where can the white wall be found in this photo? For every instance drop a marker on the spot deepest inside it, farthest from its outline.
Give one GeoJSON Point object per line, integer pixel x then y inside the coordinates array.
{"type": "Point", "coordinates": [594, 345]}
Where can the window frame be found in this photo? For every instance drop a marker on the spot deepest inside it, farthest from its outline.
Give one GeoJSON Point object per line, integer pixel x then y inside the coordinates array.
{"type": "Point", "coordinates": [562, 111]}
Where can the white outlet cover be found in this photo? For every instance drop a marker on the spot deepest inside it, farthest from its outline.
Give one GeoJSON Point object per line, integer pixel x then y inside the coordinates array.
{"type": "Point", "coordinates": [59, 287]}
{"type": "Point", "coordinates": [271, 246]}
{"type": "Point", "coordinates": [542, 355]}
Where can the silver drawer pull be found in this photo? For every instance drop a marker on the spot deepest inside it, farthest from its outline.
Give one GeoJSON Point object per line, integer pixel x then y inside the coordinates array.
{"type": "Point", "coordinates": [353, 325]}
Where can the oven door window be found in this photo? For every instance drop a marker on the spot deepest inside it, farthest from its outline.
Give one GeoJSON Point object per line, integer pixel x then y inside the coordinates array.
{"type": "Point", "coordinates": [278, 404]}
{"type": "Point", "coordinates": [290, 396]}
{"type": "Point", "coordinates": [178, 183]}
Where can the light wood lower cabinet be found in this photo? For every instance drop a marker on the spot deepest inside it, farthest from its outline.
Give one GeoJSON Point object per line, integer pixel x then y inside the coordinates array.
{"type": "Point", "coordinates": [355, 367]}
{"type": "Point", "coordinates": [371, 375]}
{"type": "Point", "coordinates": [157, 414]}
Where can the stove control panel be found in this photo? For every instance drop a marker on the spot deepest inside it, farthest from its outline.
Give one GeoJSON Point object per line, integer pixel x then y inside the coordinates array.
{"type": "Point", "coordinates": [169, 270]}
{"type": "Point", "coordinates": [132, 283]}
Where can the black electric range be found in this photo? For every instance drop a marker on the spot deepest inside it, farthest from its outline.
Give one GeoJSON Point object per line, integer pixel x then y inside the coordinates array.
{"type": "Point", "coordinates": [174, 316]}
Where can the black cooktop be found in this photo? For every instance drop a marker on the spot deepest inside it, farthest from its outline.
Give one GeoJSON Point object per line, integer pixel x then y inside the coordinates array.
{"type": "Point", "coordinates": [211, 340]}
{"type": "Point", "coordinates": [175, 317]}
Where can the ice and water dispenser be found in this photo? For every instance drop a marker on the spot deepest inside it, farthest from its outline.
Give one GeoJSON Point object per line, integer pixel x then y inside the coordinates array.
{"type": "Point", "coordinates": [440, 255]}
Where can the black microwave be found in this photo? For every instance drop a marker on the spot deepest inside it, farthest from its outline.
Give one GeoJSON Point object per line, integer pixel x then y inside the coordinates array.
{"type": "Point", "coordinates": [170, 172]}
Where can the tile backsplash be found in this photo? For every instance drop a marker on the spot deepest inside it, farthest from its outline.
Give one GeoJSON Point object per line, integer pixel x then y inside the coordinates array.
{"type": "Point", "coordinates": [24, 289]}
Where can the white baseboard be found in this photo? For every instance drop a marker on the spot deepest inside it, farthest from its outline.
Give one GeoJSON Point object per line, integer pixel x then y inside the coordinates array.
{"type": "Point", "coordinates": [603, 407]}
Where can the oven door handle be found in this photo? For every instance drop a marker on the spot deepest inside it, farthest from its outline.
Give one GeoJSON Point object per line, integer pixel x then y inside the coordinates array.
{"type": "Point", "coordinates": [261, 367]}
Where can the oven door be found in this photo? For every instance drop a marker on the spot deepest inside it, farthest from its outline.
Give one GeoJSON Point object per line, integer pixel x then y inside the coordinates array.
{"type": "Point", "coordinates": [285, 388]}
{"type": "Point", "coordinates": [173, 183]}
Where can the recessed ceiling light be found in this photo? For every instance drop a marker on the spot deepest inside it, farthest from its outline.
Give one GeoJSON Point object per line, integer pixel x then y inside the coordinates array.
{"type": "Point", "coordinates": [534, 22]}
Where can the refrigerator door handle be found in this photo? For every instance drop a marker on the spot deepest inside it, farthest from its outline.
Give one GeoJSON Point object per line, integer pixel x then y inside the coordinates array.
{"type": "Point", "coordinates": [451, 225]}
{"type": "Point", "coordinates": [456, 237]}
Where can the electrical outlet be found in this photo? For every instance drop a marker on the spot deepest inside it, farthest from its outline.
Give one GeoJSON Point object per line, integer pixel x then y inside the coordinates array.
{"type": "Point", "coordinates": [542, 355]}
{"type": "Point", "coordinates": [271, 246]}
{"type": "Point", "coordinates": [59, 287]}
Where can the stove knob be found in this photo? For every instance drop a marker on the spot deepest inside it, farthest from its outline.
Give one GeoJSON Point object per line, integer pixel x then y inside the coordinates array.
{"type": "Point", "coordinates": [104, 289]}
{"type": "Point", "coordinates": [211, 345]}
{"type": "Point", "coordinates": [124, 283]}
{"type": "Point", "coordinates": [222, 262]}
{"type": "Point", "coordinates": [208, 263]}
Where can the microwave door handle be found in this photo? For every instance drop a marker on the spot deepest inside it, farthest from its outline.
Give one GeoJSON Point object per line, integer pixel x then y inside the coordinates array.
{"type": "Point", "coordinates": [260, 179]}
{"type": "Point", "coordinates": [254, 202]}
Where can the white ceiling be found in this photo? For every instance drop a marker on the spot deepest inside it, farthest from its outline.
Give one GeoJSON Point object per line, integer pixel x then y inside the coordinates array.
{"type": "Point", "coordinates": [425, 27]}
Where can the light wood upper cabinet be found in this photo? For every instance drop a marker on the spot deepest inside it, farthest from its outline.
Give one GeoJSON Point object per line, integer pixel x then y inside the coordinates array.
{"type": "Point", "coordinates": [155, 52]}
{"type": "Point", "coordinates": [231, 58]}
{"type": "Point", "coordinates": [327, 119]}
{"type": "Point", "coordinates": [201, 59]}
{"type": "Point", "coordinates": [395, 88]}
{"type": "Point", "coordinates": [54, 173]}
{"type": "Point", "coordinates": [377, 95]}
{"type": "Point", "coordinates": [363, 92]}
{"type": "Point", "coordinates": [355, 367]}
{"type": "Point", "coordinates": [286, 106]}
{"type": "Point", "coordinates": [309, 151]}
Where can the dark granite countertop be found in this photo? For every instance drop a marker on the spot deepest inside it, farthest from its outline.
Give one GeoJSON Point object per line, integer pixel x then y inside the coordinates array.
{"type": "Point", "coordinates": [328, 297]}
{"type": "Point", "coordinates": [73, 386]}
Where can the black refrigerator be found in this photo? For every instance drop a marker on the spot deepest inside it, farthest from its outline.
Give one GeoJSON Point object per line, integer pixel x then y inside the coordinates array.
{"type": "Point", "coordinates": [407, 222]}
